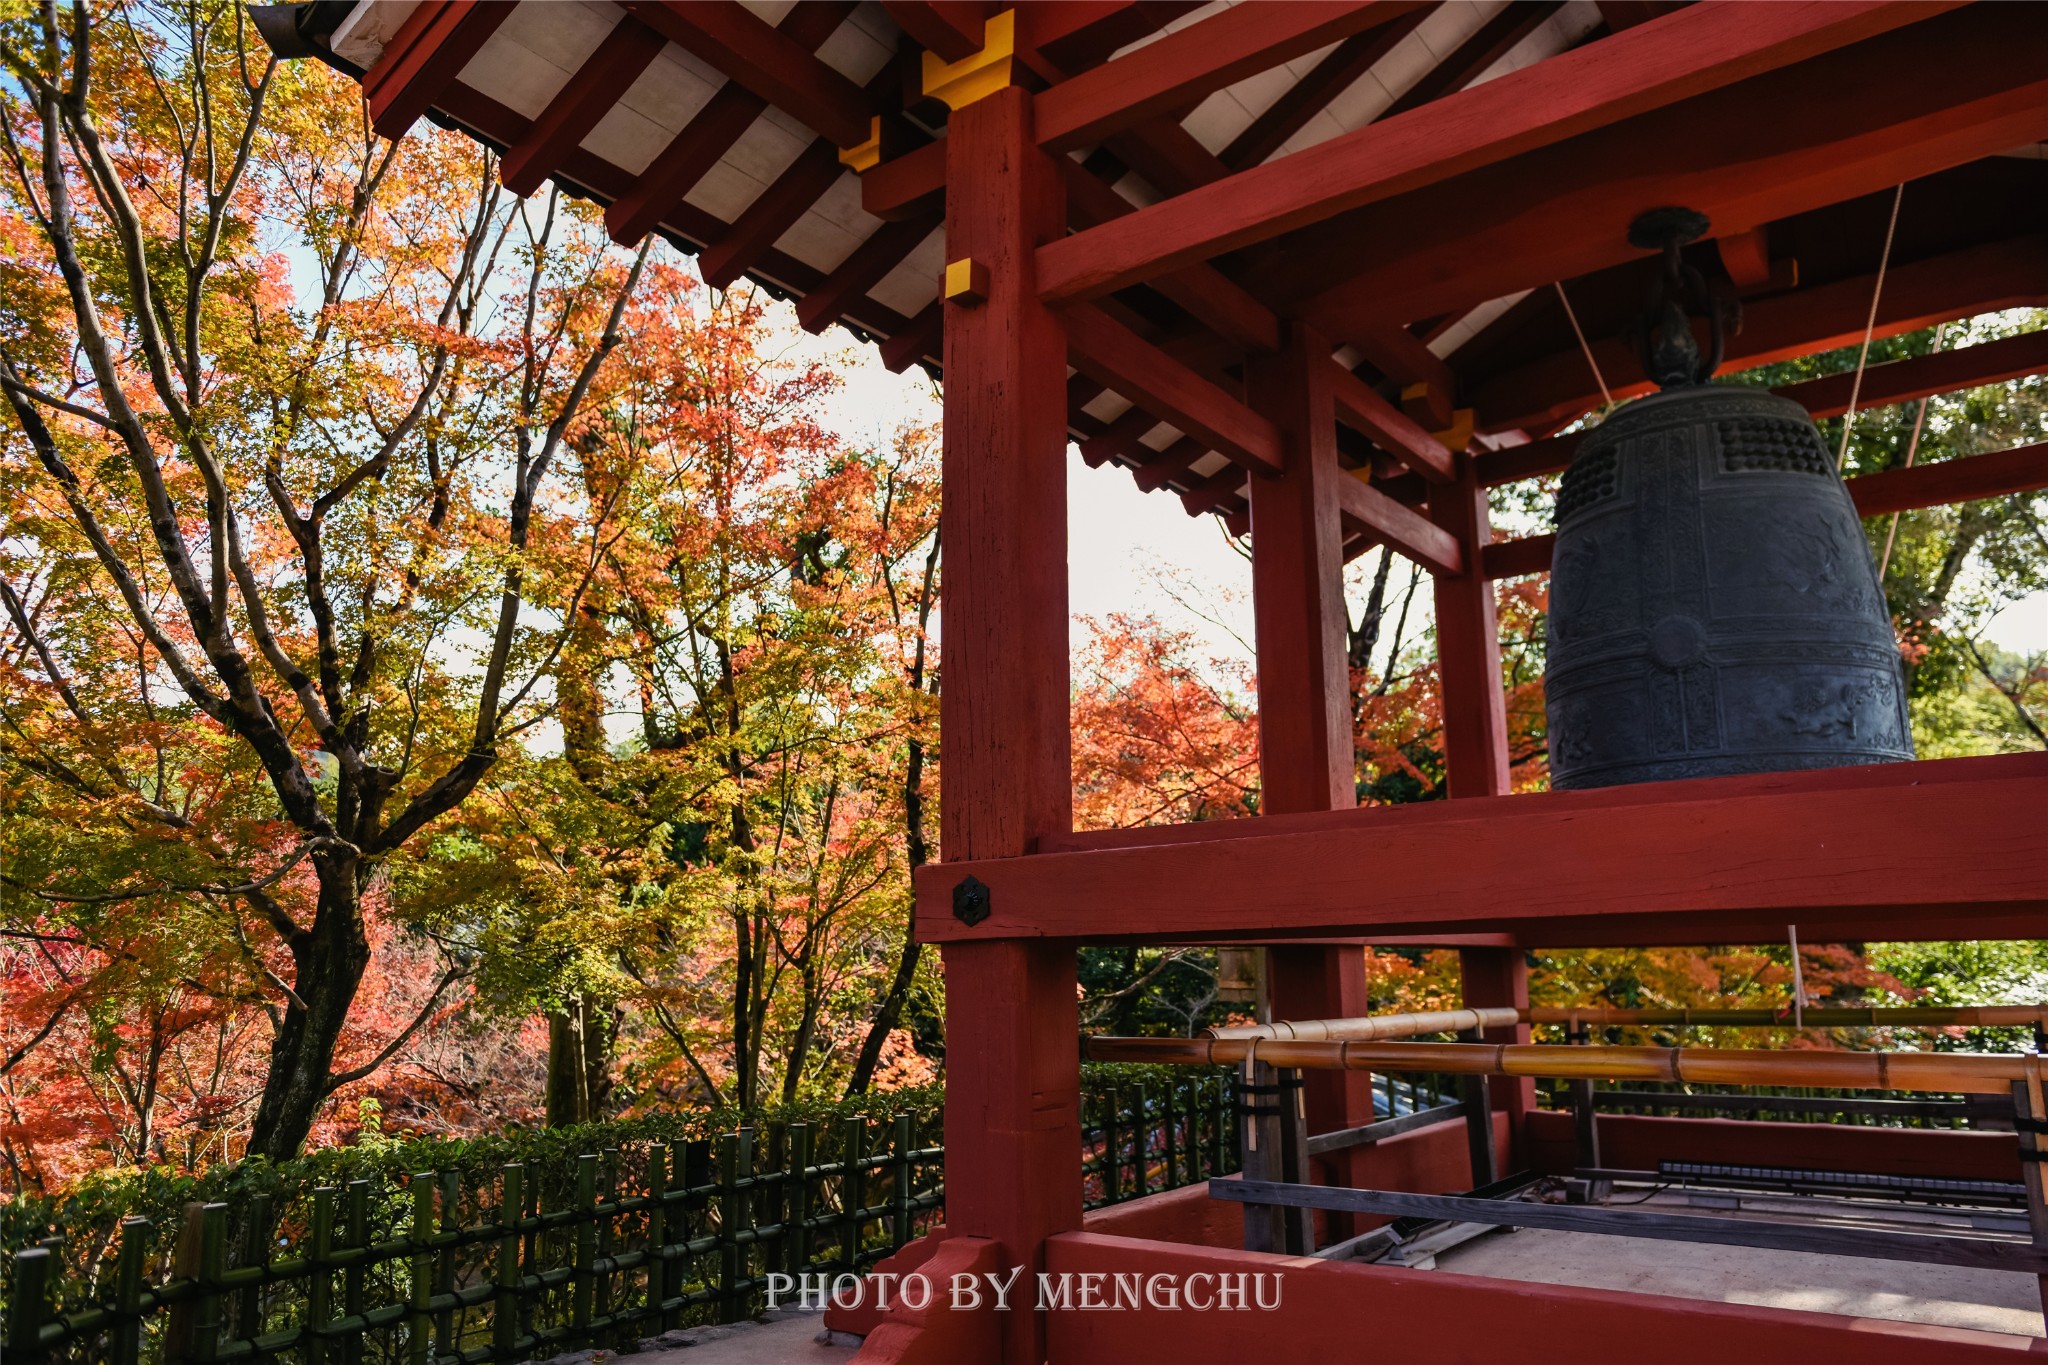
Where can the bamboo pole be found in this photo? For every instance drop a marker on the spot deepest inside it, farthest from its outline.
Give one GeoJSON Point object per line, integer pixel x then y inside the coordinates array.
{"type": "Point", "coordinates": [1940, 1072]}
{"type": "Point", "coordinates": [1981, 1016]}
{"type": "Point", "coordinates": [1372, 1027]}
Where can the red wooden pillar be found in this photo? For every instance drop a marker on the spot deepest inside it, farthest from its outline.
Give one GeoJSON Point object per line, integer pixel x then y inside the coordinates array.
{"type": "Point", "coordinates": [1476, 755]}
{"type": "Point", "coordinates": [1013, 1137]}
{"type": "Point", "coordinates": [1305, 736]}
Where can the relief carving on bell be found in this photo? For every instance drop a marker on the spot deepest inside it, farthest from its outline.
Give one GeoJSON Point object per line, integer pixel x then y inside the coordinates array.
{"type": "Point", "coordinates": [1713, 604]}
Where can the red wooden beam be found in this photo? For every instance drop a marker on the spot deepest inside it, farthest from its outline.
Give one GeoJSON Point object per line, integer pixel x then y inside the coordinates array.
{"type": "Point", "coordinates": [1952, 837]}
{"type": "Point", "coordinates": [1979, 279]}
{"type": "Point", "coordinates": [1212, 492]}
{"type": "Point", "coordinates": [1105, 349]}
{"type": "Point", "coordinates": [586, 97]}
{"type": "Point", "coordinates": [1392, 430]}
{"type": "Point", "coordinates": [765, 60]}
{"type": "Point", "coordinates": [1903, 381]}
{"type": "Point", "coordinates": [1960, 86]}
{"type": "Point", "coordinates": [1474, 706]}
{"type": "Point", "coordinates": [1169, 464]}
{"type": "Point", "coordinates": [1492, 41]}
{"type": "Point", "coordinates": [1400, 526]}
{"type": "Point", "coordinates": [1309, 96]}
{"type": "Point", "coordinates": [1120, 440]}
{"type": "Point", "coordinates": [921, 339]}
{"type": "Point", "coordinates": [1708, 45]}
{"type": "Point", "coordinates": [1532, 460]}
{"type": "Point", "coordinates": [951, 28]}
{"type": "Point", "coordinates": [710, 134]}
{"type": "Point", "coordinates": [773, 212]}
{"type": "Point", "coordinates": [1400, 355]}
{"type": "Point", "coordinates": [907, 185]}
{"type": "Point", "coordinates": [1181, 69]}
{"type": "Point", "coordinates": [423, 59]}
{"type": "Point", "coordinates": [861, 271]}
{"type": "Point", "coordinates": [2019, 470]}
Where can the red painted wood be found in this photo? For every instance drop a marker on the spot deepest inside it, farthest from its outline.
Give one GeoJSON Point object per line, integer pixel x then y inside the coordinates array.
{"type": "Point", "coordinates": [767, 61]}
{"type": "Point", "coordinates": [906, 186]}
{"type": "Point", "coordinates": [1340, 1311]}
{"type": "Point", "coordinates": [1990, 277]}
{"type": "Point", "coordinates": [587, 97]}
{"type": "Point", "coordinates": [1902, 381]}
{"type": "Point", "coordinates": [1637, 1142]}
{"type": "Point", "coordinates": [1623, 77]}
{"type": "Point", "coordinates": [1512, 464]}
{"type": "Point", "coordinates": [424, 57]}
{"type": "Point", "coordinates": [1309, 96]}
{"type": "Point", "coordinates": [917, 341]}
{"type": "Point", "coordinates": [1498, 978]}
{"type": "Point", "coordinates": [1900, 106]}
{"type": "Point", "coordinates": [1518, 558]}
{"type": "Point", "coordinates": [1183, 68]}
{"type": "Point", "coordinates": [951, 28]}
{"type": "Point", "coordinates": [1305, 731]}
{"type": "Point", "coordinates": [1120, 440]}
{"type": "Point", "coordinates": [1391, 523]}
{"type": "Point", "coordinates": [2019, 470]}
{"type": "Point", "coordinates": [1404, 358]}
{"type": "Point", "coordinates": [774, 211]}
{"type": "Point", "coordinates": [1106, 350]}
{"type": "Point", "coordinates": [1391, 429]}
{"type": "Point", "coordinates": [1956, 837]}
{"type": "Point", "coordinates": [1169, 464]}
{"type": "Point", "coordinates": [1013, 1148]}
{"type": "Point", "coordinates": [709, 135]}
{"type": "Point", "coordinates": [935, 1332]}
{"type": "Point", "coordinates": [1470, 59]}
{"type": "Point", "coordinates": [862, 270]}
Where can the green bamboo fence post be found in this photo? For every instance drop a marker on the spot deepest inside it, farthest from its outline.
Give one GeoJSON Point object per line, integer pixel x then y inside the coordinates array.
{"type": "Point", "coordinates": [1141, 1133]}
{"type": "Point", "coordinates": [607, 1197]}
{"type": "Point", "coordinates": [1217, 1129]}
{"type": "Point", "coordinates": [796, 1202]}
{"type": "Point", "coordinates": [134, 1253]}
{"type": "Point", "coordinates": [33, 1271]}
{"type": "Point", "coordinates": [533, 1248]}
{"type": "Point", "coordinates": [255, 1252]}
{"type": "Point", "coordinates": [586, 1251]}
{"type": "Point", "coordinates": [505, 1279]}
{"type": "Point", "coordinates": [213, 1257]}
{"type": "Point", "coordinates": [1169, 1114]}
{"type": "Point", "coordinates": [419, 1323]}
{"type": "Point", "coordinates": [319, 1288]}
{"type": "Point", "coordinates": [1112, 1146]}
{"type": "Point", "coordinates": [734, 1149]}
{"type": "Point", "coordinates": [179, 1332]}
{"type": "Point", "coordinates": [354, 1277]}
{"type": "Point", "coordinates": [853, 1151]}
{"type": "Point", "coordinates": [900, 1232]}
{"type": "Point", "coordinates": [449, 1224]}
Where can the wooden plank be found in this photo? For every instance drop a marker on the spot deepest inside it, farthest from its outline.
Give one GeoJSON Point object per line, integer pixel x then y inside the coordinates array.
{"type": "Point", "coordinates": [907, 185]}
{"type": "Point", "coordinates": [586, 97]}
{"type": "Point", "coordinates": [709, 135]}
{"type": "Point", "coordinates": [1392, 430]}
{"type": "Point", "coordinates": [1903, 381]}
{"type": "Point", "coordinates": [1365, 1135]}
{"type": "Point", "coordinates": [1977, 1253]}
{"type": "Point", "coordinates": [767, 61]}
{"type": "Point", "coordinates": [1475, 721]}
{"type": "Point", "coordinates": [423, 59]}
{"type": "Point", "coordinates": [1898, 840]}
{"type": "Point", "coordinates": [1518, 558]}
{"type": "Point", "coordinates": [1407, 530]}
{"type": "Point", "coordinates": [1309, 96]}
{"type": "Point", "coordinates": [951, 28]}
{"type": "Point", "coordinates": [1178, 71]}
{"type": "Point", "coordinates": [1105, 349]}
{"type": "Point", "coordinates": [1169, 464]}
{"type": "Point", "coordinates": [1911, 103]}
{"type": "Point", "coordinates": [1534, 459]}
{"type": "Point", "coordinates": [1708, 45]}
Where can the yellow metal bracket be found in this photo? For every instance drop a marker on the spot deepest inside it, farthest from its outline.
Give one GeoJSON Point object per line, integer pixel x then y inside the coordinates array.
{"type": "Point", "coordinates": [1458, 434]}
{"type": "Point", "coordinates": [966, 282]}
{"type": "Point", "coordinates": [961, 83]}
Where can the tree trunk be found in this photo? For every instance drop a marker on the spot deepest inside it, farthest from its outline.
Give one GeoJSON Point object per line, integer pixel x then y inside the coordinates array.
{"type": "Point", "coordinates": [580, 1040]}
{"type": "Point", "coordinates": [329, 963]}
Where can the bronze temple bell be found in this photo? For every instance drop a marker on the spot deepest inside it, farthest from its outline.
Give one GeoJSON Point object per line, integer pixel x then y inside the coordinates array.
{"type": "Point", "coordinates": [1713, 605]}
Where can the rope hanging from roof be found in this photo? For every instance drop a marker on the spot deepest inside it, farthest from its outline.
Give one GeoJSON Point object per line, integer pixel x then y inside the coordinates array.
{"type": "Point", "coordinates": [1606, 397]}
{"type": "Point", "coordinates": [1891, 535]}
{"type": "Point", "coordinates": [1869, 329]}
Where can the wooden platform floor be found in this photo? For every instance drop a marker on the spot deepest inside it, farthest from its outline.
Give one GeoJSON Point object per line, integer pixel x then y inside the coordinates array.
{"type": "Point", "coordinates": [1987, 1300]}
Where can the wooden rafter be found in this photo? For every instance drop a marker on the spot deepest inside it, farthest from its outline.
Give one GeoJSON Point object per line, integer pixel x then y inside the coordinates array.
{"type": "Point", "coordinates": [1470, 59]}
{"type": "Point", "coordinates": [1407, 530]}
{"type": "Point", "coordinates": [1105, 349]}
{"type": "Point", "coordinates": [1902, 381]}
{"type": "Point", "coordinates": [1179, 70]}
{"type": "Point", "coordinates": [1392, 430]}
{"type": "Point", "coordinates": [424, 57]}
{"type": "Point", "coordinates": [765, 60]}
{"type": "Point", "coordinates": [862, 270]}
{"type": "Point", "coordinates": [1306, 98]}
{"type": "Point", "coordinates": [1658, 64]}
{"type": "Point", "coordinates": [710, 134]}
{"type": "Point", "coordinates": [577, 107]}
{"type": "Point", "coordinates": [774, 211]}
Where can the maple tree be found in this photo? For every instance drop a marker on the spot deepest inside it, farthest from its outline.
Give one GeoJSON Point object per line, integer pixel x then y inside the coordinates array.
{"type": "Point", "coordinates": [286, 400]}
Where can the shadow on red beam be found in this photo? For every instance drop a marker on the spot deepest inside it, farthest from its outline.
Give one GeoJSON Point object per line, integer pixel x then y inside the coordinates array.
{"type": "Point", "coordinates": [1327, 1309]}
{"type": "Point", "coordinates": [1951, 838]}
